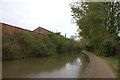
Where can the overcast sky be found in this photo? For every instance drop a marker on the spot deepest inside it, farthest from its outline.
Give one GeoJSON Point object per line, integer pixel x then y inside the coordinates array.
{"type": "Point", "coordinates": [54, 15]}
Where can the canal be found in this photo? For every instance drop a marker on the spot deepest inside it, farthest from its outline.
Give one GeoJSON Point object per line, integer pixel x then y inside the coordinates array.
{"type": "Point", "coordinates": [65, 65]}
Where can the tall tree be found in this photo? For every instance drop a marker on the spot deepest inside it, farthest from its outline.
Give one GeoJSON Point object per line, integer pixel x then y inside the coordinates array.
{"type": "Point", "coordinates": [112, 18]}
{"type": "Point", "coordinates": [97, 21]}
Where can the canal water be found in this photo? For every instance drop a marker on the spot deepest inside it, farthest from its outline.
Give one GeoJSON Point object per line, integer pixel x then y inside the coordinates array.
{"type": "Point", "coordinates": [66, 65]}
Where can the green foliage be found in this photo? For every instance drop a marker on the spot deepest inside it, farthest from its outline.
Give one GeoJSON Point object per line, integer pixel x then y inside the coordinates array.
{"type": "Point", "coordinates": [24, 44]}
{"type": "Point", "coordinates": [58, 33]}
{"type": "Point", "coordinates": [42, 50]}
{"type": "Point", "coordinates": [10, 52]}
{"type": "Point", "coordinates": [108, 48]}
{"type": "Point", "coordinates": [60, 43]}
{"type": "Point", "coordinates": [98, 25]}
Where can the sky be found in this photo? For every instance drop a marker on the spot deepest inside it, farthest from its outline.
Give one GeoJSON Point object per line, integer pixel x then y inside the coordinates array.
{"type": "Point", "coordinates": [53, 15]}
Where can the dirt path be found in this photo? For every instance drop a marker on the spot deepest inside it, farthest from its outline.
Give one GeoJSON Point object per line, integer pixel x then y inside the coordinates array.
{"type": "Point", "coordinates": [97, 68]}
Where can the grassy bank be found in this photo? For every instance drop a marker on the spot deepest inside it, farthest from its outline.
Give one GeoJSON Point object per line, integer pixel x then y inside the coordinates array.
{"type": "Point", "coordinates": [113, 63]}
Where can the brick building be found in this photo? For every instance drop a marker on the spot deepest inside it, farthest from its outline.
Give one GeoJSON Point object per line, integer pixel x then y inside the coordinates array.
{"type": "Point", "coordinates": [10, 29]}
{"type": "Point", "coordinates": [42, 30]}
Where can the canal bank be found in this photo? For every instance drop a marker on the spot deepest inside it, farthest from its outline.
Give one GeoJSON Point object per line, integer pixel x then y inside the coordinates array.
{"type": "Point", "coordinates": [97, 68]}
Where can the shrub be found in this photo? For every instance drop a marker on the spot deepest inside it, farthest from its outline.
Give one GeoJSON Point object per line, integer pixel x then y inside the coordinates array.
{"type": "Point", "coordinates": [42, 50]}
{"type": "Point", "coordinates": [10, 52]}
{"type": "Point", "coordinates": [107, 49]}
{"type": "Point", "coordinates": [23, 44]}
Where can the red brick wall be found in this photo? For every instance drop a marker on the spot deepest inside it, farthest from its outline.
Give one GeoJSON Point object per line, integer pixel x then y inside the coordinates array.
{"type": "Point", "coordinates": [10, 29]}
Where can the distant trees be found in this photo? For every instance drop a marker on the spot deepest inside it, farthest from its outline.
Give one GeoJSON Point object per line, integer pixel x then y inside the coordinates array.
{"type": "Point", "coordinates": [99, 24]}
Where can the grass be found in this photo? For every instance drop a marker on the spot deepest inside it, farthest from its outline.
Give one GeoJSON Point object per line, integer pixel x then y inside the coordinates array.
{"type": "Point", "coordinates": [113, 63]}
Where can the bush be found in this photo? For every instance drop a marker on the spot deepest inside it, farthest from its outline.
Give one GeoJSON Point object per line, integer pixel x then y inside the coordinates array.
{"type": "Point", "coordinates": [57, 41]}
{"type": "Point", "coordinates": [10, 52]}
{"type": "Point", "coordinates": [42, 50]}
{"type": "Point", "coordinates": [107, 49]}
{"type": "Point", "coordinates": [23, 44]}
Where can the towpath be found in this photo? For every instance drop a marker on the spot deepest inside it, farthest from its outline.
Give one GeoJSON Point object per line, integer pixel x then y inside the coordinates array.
{"type": "Point", "coordinates": [97, 67]}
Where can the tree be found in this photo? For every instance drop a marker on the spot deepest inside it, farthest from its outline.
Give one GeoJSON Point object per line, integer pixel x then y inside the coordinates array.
{"type": "Point", "coordinates": [96, 26]}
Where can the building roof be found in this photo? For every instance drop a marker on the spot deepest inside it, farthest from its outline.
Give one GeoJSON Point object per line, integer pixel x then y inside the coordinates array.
{"type": "Point", "coordinates": [44, 29]}
{"type": "Point", "coordinates": [16, 27]}
{"type": "Point", "coordinates": [26, 29]}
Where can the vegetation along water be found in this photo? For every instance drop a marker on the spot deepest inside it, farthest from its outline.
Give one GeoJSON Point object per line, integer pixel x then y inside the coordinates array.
{"type": "Point", "coordinates": [24, 44]}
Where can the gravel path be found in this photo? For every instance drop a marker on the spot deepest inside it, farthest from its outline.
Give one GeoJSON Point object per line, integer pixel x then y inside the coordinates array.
{"type": "Point", "coordinates": [97, 68]}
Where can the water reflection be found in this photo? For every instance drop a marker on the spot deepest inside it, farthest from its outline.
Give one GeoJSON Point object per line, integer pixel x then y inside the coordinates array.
{"type": "Point", "coordinates": [67, 65]}
{"type": "Point", "coordinates": [59, 66]}
{"type": "Point", "coordinates": [70, 70]}
{"type": "Point", "coordinates": [78, 60]}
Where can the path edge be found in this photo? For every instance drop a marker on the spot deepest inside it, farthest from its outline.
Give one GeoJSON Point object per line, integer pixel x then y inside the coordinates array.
{"type": "Point", "coordinates": [88, 70]}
